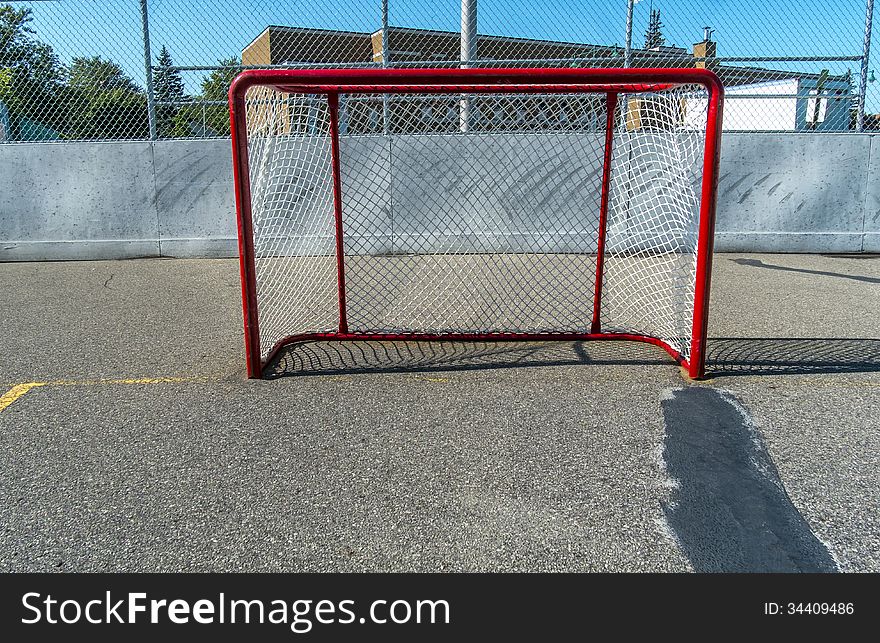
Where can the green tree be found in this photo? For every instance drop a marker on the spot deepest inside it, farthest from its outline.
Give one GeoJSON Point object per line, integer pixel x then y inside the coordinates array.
{"type": "Point", "coordinates": [106, 102]}
{"type": "Point", "coordinates": [94, 74]}
{"type": "Point", "coordinates": [32, 86]}
{"type": "Point", "coordinates": [216, 85]}
{"type": "Point", "coordinates": [654, 34]}
{"type": "Point", "coordinates": [209, 114]}
{"type": "Point", "coordinates": [168, 90]}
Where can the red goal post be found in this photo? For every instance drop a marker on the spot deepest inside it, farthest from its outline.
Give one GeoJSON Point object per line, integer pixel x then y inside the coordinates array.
{"type": "Point", "coordinates": [495, 265]}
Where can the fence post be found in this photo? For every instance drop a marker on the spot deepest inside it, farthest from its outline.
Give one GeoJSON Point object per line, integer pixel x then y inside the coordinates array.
{"type": "Point", "coordinates": [385, 51]}
{"type": "Point", "coordinates": [863, 77]}
{"type": "Point", "coordinates": [627, 50]}
{"type": "Point", "coordinates": [148, 68]}
{"type": "Point", "coordinates": [468, 53]}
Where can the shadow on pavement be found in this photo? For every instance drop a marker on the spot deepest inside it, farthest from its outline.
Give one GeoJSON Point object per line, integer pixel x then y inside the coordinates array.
{"type": "Point", "coordinates": [331, 358]}
{"type": "Point", "coordinates": [757, 263]}
{"type": "Point", "coordinates": [729, 509]}
{"type": "Point", "coordinates": [727, 356]}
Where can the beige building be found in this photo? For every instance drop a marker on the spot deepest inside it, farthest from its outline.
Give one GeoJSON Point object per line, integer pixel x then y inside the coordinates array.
{"type": "Point", "coordinates": [278, 45]}
{"type": "Point", "coordinates": [287, 45]}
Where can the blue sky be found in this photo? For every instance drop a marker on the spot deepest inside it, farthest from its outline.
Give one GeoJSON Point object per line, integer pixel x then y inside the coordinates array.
{"type": "Point", "coordinates": [200, 32]}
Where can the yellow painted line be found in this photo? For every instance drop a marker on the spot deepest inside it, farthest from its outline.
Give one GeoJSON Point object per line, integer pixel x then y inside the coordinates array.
{"type": "Point", "coordinates": [16, 392]}
{"type": "Point", "coordinates": [141, 380]}
{"type": "Point", "coordinates": [19, 390]}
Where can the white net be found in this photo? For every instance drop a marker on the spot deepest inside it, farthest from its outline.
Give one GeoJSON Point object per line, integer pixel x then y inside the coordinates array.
{"type": "Point", "coordinates": [653, 216]}
{"type": "Point", "coordinates": [476, 214]}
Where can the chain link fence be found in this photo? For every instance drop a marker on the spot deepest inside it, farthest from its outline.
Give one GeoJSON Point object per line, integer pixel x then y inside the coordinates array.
{"type": "Point", "coordinates": [160, 69]}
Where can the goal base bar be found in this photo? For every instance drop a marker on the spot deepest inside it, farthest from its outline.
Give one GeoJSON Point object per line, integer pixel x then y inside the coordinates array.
{"type": "Point", "coordinates": [256, 366]}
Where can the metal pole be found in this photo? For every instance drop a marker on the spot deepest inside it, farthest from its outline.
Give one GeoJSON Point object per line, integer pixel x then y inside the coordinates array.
{"type": "Point", "coordinates": [148, 69]}
{"type": "Point", "coordinates": [627, 50]}
{"type": "Point", "coordinates": [333, 105]}
{"type": "Point", "coordinates": [610, 106]}
{"type": "Point", "coordinates": [706, 236]}
{"type": "Point", "coordinates": [866, 53]}
{"type": "Point", "coordinates": [468, 53]}
{"type": "Point", "coordinates": [385, 50]}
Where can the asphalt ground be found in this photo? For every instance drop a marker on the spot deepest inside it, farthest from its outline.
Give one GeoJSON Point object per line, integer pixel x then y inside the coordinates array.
{"type": "Point", "coordinates": [130, 440]}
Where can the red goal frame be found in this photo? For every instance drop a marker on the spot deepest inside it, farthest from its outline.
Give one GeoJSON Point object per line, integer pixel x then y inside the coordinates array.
{"type": "Point", "coordinates": [611, 82]}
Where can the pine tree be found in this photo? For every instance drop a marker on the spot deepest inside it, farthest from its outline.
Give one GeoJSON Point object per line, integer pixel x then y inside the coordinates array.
{"type": "Point", "coordinates": [168, 91]}
{"type": "Point", "coordinates": [654, 34]}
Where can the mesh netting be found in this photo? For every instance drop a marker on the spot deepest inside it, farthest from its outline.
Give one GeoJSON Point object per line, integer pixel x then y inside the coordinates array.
{"type": "Point", "coordinates": [653, 216]}
{"type": "Point", "coordinates": [476, 214]}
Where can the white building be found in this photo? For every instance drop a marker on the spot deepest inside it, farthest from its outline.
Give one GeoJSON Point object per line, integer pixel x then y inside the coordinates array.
{"type": "Point", "coordinates": [788, 107]}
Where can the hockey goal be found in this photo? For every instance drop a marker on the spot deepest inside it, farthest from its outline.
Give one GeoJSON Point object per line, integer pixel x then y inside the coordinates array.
{"type": "Point", "coordinates": [476, 204]}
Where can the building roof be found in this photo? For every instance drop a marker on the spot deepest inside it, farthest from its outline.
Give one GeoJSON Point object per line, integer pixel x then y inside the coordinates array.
{"type": "Point", "coordinates": [430, 46]}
